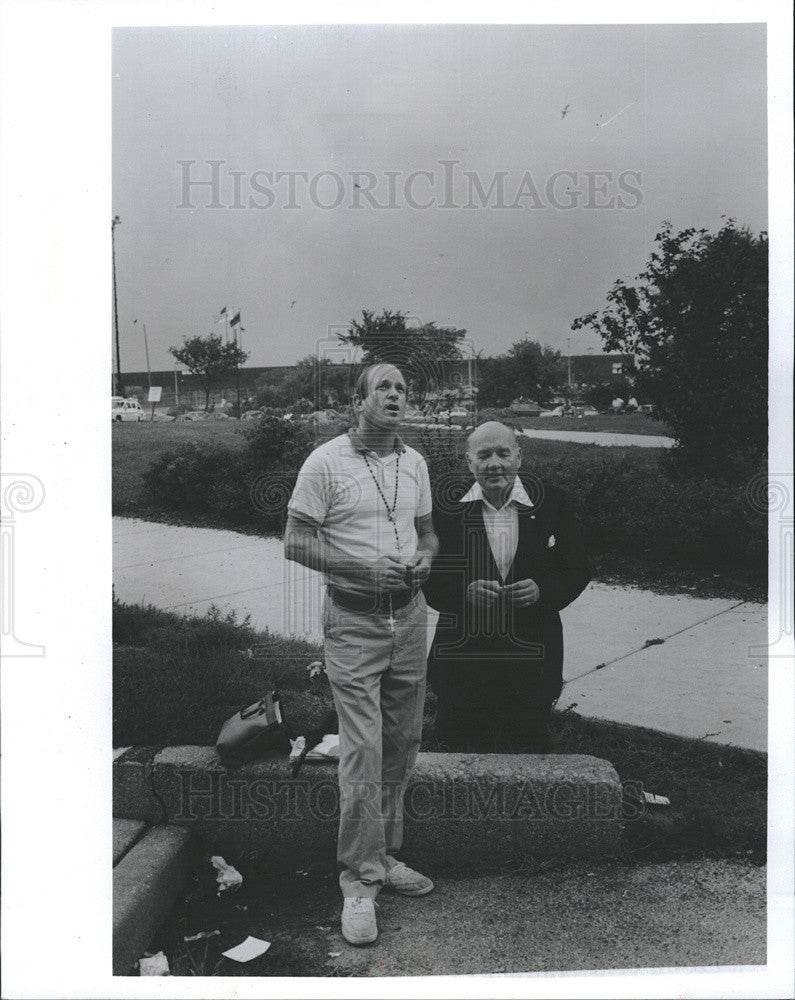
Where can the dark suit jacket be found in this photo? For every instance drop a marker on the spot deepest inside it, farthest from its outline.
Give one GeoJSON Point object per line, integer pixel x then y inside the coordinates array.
{"type": "Point", "coordinates": [518, 648]}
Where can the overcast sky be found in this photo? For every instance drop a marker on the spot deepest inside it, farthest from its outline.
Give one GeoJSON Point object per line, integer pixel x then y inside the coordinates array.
{"type": "Point", "coordinates": [682, 108]}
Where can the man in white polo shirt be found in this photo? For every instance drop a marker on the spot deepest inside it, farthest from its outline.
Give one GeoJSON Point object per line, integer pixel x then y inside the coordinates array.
{"type": "Point", "coordinates": [361, 514]}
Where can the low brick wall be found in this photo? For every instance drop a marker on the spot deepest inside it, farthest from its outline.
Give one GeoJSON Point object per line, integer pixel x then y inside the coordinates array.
{"type": "Point", "coordinates": [464, 812]}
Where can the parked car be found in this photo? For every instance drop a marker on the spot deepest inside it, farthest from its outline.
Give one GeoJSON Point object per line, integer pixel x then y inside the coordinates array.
{"type": "Point", "coordinates": [194, 415]}
{"type": "Point", "coordinates": [525, 408]}
{"type": "Point", "coordinates": [415, 416]}
{"type": "Point", "coordinates": [123, 410]}
{"type": "Point", "coordinates": [458, 417]}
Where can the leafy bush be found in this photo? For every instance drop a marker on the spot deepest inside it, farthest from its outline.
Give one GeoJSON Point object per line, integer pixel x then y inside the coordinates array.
{"type": "Point", "coordinates": [697, 323]}
{"type": "Point", "coordinates": [182, 479]}
{"type": "Point", "coordinates": [648, 509]}
{"type": "Point", "coordinates": [252, 484]}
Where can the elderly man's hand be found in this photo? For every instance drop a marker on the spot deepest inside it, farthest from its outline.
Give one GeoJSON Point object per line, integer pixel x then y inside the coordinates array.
{"type": "Point", "coordinates": [523, 593]}
{"type": "Point", "coordinates": [483, 593]}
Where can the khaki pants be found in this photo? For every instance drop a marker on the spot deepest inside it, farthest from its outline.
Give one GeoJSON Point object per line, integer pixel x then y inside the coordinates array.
{"type": "Point", "coordinates": [378, 682]}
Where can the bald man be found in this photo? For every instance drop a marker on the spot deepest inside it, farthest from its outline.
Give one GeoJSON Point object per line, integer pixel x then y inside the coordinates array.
{"type": "Point", "coordinates": [511, 557]}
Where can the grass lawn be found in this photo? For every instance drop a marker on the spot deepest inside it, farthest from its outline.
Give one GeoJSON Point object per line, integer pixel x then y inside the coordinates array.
{"type": "Point", "coordinates": [176, 680]}
{"type": "Point", "coordinates": [136, 446]}
{"type": "Point", "coordinates": [626, 423]}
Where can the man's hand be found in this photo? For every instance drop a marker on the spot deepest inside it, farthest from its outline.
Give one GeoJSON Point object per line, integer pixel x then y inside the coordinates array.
{"type": "Point", "coordinates": [523, 593]}
{"type": "Point", "coordinates": [483, 593]}
{"type": "Point", "coordinates": [418, 569]}
{"type": "Point", "coordinates": [385, 574]}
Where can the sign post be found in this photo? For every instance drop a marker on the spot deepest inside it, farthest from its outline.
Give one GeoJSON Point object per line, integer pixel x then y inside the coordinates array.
{"type": "Point", "coordinates": [155, 392]}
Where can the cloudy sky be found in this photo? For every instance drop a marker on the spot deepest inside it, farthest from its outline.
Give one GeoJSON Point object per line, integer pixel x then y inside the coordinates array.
{"type": "Point", "coordinates": [663, 122]}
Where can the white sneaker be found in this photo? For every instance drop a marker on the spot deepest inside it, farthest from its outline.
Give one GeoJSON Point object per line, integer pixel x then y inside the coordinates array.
{"type": "Point", "coordinates": [406, 881]}
{"type": "Point", "coordinates": [358, 920]}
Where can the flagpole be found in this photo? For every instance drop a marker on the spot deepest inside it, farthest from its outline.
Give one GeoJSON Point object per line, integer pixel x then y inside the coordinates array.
{"type": "Point", "coordinates": [238, 344]}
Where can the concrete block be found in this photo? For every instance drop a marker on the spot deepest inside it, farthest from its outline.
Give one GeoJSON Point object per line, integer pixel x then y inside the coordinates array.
{"type": "Point", "coordinates": [256, 812]}
{"type": "Point", "coordinates": [146, 883]}
{"type": "Point", "coordinates": [133, 797]}
{"type": "Point", "coordinates": [474, 812]}
{"type": "Point", "coordinates": [464, 813]}
{"type": "Point", "coordinates": [126, 832]}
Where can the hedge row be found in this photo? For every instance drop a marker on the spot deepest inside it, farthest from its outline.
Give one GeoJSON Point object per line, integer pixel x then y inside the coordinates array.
{"type": "Point", "coordinates": [637, 507]}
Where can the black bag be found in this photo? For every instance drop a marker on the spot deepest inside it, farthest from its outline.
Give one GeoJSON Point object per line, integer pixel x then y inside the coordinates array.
{"type": "Point", "coordinates": [253, 731]}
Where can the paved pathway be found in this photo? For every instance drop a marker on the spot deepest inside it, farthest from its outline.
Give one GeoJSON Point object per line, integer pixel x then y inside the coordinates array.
{"type": "Point", "coordinates": [707, 678]}
{"type": "Point", "coordinates": [604, 438]}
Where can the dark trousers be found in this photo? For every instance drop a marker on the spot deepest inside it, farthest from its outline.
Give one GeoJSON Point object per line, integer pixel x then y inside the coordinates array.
{"type": "Point", "coordinates": [491, 718]}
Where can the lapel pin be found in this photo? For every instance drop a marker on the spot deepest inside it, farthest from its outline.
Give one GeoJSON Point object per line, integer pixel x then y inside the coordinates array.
{"type": "Point", "coordinates": [551, 541]}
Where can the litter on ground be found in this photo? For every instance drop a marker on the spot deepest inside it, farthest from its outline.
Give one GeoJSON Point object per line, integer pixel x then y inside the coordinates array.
{"type": "Point", "coordinates": [154, 965]}
{"type": "Point", "coordinates": [250, 948]}
{"type": "Point", "coordinates": [201, 935]}
{"type": "Point", "coordinates": [228, 877]}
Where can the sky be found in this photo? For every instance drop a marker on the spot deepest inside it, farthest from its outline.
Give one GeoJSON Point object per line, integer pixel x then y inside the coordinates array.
{"type": "Point", "coordinates": [662, 122]}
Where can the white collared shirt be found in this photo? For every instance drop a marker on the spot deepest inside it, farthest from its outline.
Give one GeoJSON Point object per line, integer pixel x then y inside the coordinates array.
{"type": "Point", "coordinates": [502, 526]}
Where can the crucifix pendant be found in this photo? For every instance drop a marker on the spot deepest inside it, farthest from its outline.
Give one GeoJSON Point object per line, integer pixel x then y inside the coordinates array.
{"type": "Point", "coordinates": [391, 621]}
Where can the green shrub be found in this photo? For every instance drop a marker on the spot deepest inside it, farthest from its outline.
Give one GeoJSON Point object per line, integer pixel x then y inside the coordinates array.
{"type": "Point", "coordinates": [249, 485]}
{"type": "Point", "coordinates": [182, 479]}
{"type": "Point", "coordinates": [642, 505]}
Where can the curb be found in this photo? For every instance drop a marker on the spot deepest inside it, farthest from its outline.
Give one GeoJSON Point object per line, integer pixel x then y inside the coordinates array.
{"type": "Point", "coordinates": [146, 883]}
{"type": "Point", "coordinates": [464, 813]}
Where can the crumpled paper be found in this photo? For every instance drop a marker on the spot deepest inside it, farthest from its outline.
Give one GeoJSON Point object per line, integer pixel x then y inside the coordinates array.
{"type": "Point", "coordinates": [228, 877]}
{"type": "Point", "coordinates": [327, 749]}
{"type": "Point", "coordinates": [154, 965]}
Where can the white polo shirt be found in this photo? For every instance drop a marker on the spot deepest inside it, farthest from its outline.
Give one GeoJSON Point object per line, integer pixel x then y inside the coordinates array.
{"type": "Point", "coordinates": [337, 491]}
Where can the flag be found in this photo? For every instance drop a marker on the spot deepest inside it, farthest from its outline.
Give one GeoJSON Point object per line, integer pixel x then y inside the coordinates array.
{"type": "Point", "coordinates": [235, 319]}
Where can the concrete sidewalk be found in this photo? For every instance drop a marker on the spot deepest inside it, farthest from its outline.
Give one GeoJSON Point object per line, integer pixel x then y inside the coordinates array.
{"type": "Point", "coordinates": [585, 917]}
{"type": "Point", "coordinates": [708, 678]}
{"type": "Point", "coordinates": [606, 439]}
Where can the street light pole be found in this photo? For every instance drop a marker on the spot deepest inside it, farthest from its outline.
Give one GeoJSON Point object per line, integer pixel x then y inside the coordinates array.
{"type": "Point", "coordinates": [119, 384]}
{"type": "Point", "coordinates": [568, 341]}
{"type": "Point", "coordinates": [146, 348]}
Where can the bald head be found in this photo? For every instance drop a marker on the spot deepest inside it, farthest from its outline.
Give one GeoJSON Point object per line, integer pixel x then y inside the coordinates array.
{"type": "Point", "coordinates": [491, 431]}
{"type": "Point", "coordinates": [494, 458]}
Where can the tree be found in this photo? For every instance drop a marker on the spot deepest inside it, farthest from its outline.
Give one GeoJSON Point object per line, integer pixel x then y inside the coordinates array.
{"type": "Point", "coordinates": [538, 369]}
{"type": "Point", "coordinates": [528, 369]}
{"type": "Point", "coordinates": [497, 385]}
{"type": "Point", "coordinates": [696, 321]}
{"type": "Point", "coordinates": [210, 359]}
{"type": "Point", "coordinates": [316, 379]}
{"type": "Point", "coordinates": [422, 353]}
